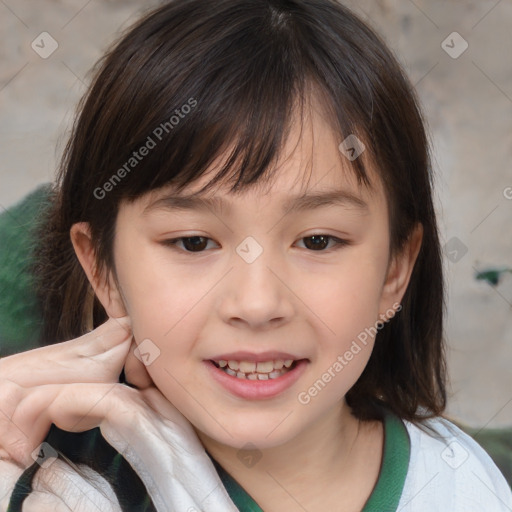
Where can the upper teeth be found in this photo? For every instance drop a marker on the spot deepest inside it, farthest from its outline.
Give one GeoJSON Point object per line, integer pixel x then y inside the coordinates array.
{"type": "Point", "coordinates": [260, 367]}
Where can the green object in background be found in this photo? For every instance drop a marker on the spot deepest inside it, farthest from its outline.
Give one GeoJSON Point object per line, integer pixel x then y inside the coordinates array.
{"type": "Point", "coordinates": [493, 275]}
{"type": "Point", "coordinates": [20, 317]}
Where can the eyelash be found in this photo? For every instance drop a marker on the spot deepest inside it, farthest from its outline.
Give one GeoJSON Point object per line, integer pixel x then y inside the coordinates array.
{"type": "Point", "coordinates": [339, 243]}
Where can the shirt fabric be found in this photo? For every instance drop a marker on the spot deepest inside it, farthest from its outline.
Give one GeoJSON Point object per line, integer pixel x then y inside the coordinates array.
{"type": "Point", "coordinates": [432, 467]}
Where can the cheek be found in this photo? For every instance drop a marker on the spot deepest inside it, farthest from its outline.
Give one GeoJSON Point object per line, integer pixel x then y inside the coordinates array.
{"type": "Point", "coordinates": [345, 337]}
{"type": "Point", "coordinates": [348, 297]}
{"type": "Point", "coordinates": [347, 307]}
{"type": "Point", "coordinates": [158, 302]}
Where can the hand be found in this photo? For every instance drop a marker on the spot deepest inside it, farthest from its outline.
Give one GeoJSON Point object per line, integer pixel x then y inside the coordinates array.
{"type": "Point", "coordinates": [75, 385]}
{"type": "Point", "coordinates": [72, 384]}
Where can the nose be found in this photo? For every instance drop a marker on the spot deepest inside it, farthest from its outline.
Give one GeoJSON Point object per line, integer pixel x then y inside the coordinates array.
{"type": "Point", "coordinates": [256, 295]}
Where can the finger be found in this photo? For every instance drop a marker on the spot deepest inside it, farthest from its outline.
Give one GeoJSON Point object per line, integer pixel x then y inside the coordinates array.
{"type": "Point", "coordinates": [16, 422]}
{"type": "Point", "coordinates": [104, 337]}
{"type": "Point", "coordinates": [97, 356]}
{"type": "Point", "coordinates": [135, 370]}
{"type": "Point", "coordinates": [72, 407]}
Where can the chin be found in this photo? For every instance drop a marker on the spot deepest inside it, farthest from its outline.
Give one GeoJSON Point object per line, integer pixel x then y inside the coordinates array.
{"type": "Point", "coordinates": [261, 437]}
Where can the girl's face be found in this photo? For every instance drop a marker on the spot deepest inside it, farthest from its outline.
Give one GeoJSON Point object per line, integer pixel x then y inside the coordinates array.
{"type": "Point", "coordinates": [254, 276]}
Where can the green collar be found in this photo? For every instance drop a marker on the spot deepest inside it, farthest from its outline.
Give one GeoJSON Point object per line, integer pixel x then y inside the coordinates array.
{"type": "Point", "coordinates": [388, 489]}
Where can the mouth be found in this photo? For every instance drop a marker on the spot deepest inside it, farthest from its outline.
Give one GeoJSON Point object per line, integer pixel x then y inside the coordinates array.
{"type": "Point", "coordinates": [262, 370]}
{"type": "Point", "coordinates": [256, 380]}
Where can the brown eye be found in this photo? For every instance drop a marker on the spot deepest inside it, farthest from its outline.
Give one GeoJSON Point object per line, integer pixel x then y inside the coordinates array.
{"type": "Point", "coordinates": [190, 243]}
{"type": "Point", "coordinates": [320, 242]}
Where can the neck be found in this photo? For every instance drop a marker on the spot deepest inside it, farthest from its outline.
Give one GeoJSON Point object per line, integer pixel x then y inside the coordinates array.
{"type": "Point", "coordinates": [331, 446]}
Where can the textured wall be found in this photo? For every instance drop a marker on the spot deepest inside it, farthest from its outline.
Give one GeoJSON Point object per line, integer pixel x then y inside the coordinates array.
{"type": "Point", "coordinates": [467, 98]}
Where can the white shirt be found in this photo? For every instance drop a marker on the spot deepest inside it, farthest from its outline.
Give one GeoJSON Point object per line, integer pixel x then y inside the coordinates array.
{"type": "Point", "coordinates": [451, 472]}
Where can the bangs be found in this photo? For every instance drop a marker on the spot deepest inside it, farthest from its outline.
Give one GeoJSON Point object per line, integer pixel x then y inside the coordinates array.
{"type": "Point", "coordinates": [230, 87]}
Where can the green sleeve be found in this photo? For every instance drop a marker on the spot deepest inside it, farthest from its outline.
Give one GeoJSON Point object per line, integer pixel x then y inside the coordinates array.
{"type": "Point", "coordinates": [20, 316]}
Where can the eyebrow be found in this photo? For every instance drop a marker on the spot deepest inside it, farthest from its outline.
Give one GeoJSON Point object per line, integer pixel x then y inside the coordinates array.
{"type": "Point", "coordinates": [291, 205]}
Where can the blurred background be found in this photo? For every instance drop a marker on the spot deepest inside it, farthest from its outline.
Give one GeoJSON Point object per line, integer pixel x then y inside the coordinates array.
{"type": "Point", "coordinates": [456, 53]}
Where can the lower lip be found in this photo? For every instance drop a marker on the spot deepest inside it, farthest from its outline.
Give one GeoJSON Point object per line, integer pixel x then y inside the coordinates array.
{"type": "Point", "coordinates": [257, 389]}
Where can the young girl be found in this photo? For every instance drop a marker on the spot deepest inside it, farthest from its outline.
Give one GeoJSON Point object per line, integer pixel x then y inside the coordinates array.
{"type": "Point", "coordinates": [243, 255]}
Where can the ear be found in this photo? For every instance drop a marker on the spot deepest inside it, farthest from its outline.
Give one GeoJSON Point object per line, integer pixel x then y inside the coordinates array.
{"type": "Point", "coordinates": [105, 289]}
{"type": "Point", "coordinates": [400, 270]}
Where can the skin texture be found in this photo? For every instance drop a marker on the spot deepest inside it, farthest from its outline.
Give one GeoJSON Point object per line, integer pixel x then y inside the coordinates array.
{"type": "Point", "coordinates": [309, 302]}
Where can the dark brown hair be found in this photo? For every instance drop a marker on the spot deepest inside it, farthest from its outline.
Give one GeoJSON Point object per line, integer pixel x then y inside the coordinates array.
{"type": "Point", "coordinates": [243, 66]}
